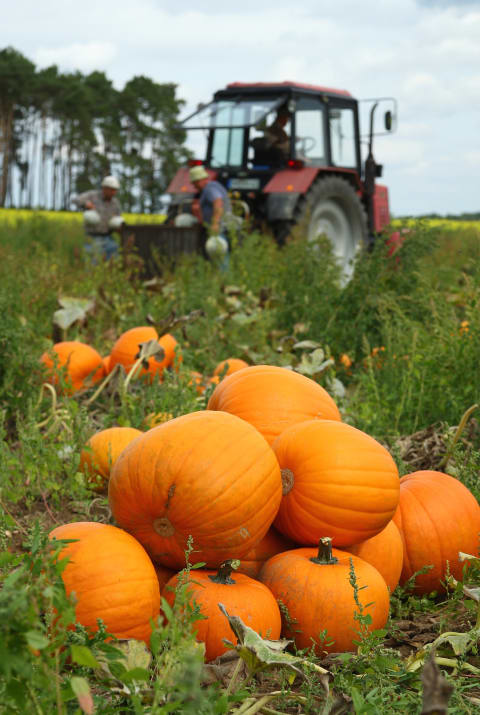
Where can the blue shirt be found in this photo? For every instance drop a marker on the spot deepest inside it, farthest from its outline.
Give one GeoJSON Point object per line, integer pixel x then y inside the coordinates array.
{"type": "Point", "coordinates": [212, 191]}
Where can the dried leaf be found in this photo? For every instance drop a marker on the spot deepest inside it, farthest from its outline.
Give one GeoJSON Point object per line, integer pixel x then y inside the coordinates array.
{"type": "Point", "coordinates": [136, 654]}
{"type": "Point", "coordinates": [260, 653]}
{"type": "Point", "coordinates": [436, 689]}
{"type": "Point", "coordinates": [81, 689]}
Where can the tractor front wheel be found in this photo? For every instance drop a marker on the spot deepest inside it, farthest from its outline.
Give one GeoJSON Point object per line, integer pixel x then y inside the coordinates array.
{"type": "Point", "coordinates": [331, 208]}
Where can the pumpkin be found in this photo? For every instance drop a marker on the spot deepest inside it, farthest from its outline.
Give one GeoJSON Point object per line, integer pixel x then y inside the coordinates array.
{"type": "Point", "coordinates": [437, 517]}
{"type": "Point", "coordinates": [207, 474]}
{"type": "Point", "coordinates": [272, 398]}
{"type": "Point", "coordinates": [164, 574]}
{"type": "Point", "coordinates": [81, 364]}
{"type": "Point", "coordinates": [337, 481]}
{"type": "Point", "coordinates": [314, 586]}
{"type": "Point", "coordinates": [127, 348]}
{"type": "Point", "coordinates": [106, 363]}
{"type": "Point", "coordinates": [201, 383]}
{"type": "Point", "coordinates": [101, 452]}
{"type": "Point", "coordinates": [385, 552]}
{"type": "Point", "coordinates": [230, 365]}
{"type": "Point", "coordinates": [272, 543]}
{"type": "Point", "coordinates": [112, 578]}
{"type": "Point", "coordinates": [241, 595]}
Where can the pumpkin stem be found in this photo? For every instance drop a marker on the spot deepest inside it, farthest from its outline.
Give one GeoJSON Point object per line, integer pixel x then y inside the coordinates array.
{"type": "Point", "coordinates": [325, 555]}
{"type": "Point", "coordinates": [224, 573]}
{"type": "Point", "coordinates": [288, 481]}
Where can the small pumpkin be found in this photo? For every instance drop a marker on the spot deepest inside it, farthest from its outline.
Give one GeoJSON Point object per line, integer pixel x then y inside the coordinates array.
{"type": "Point", "coordinates": [272, 543]}
{"type": "Point", "coordinates": [314, 586]}
{"type": "Point", "coordinates": [112, 578]}
{"type": "Point", "coordinates": [241, 595]}
{"type": "Point", "coordinates": [81, 364]}
{"type": "Point", "coordinates": [102, 451]}
{"type": "Point", "coordinates": [437, 517]}
{"type": "Point", "coordinates": [164, 574]}
{"type": "Point", "coordinates": [127, 348]}
{"type": "Point", "coordinates": [207, 474]}
{"type": "Point", "coordinates": [385, 552]}
{"type": "Point", "coordinates": [272, 398]}
{"type": "Point", "coordinates": [226, 367]}
{"type": "Point", "coordinates": [337, 481]}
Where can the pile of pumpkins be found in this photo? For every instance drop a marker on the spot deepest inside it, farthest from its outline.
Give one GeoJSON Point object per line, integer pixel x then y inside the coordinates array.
{"type": "Point", "coordinates": [284, 503]}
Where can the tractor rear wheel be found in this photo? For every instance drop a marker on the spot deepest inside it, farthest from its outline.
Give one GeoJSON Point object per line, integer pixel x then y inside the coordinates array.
{"type": "Point", "coordinates": [331, 208]}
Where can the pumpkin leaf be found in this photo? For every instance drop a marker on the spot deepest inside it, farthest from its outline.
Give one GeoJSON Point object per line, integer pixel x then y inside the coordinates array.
{"type": "Point", "coordinates": [306, 345]}
{"type": "Point", "coordinates": [460, 642]}
{"type": "Point", "coordinates": [135, 654]}
{"type": "Point", "coordinates": [260, 653]}
{"type": "Point", "coordinates": [151, 348]}
{"type": "Point", "coordinates": [72, 311]}
{"type": "Point", "coordinates": [313, 363]}
{"type": "Point", "coordinates": [81, 689]}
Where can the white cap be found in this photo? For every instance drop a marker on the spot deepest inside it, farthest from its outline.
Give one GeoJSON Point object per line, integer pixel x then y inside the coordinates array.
{"type": "Point", "coordinates": [111, 182]}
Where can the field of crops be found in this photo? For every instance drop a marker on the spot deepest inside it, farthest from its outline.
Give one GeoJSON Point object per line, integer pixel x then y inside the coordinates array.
{"type": "Point", "coordinates": [392, 363]}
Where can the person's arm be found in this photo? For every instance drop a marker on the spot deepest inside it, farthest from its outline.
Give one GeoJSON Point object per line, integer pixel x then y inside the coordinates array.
{"type": "Point", "coordinates": [83, 201]}
{"type": "Point", "coordinates": [216, 216]}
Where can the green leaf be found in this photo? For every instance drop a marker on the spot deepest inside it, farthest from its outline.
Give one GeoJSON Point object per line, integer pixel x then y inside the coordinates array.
{"type": "Point", "coordinates": [82, 655]}
{"type": "Point", "coordinates": [36, 640]}
{"type": "Point", "coordinates": [135, 655]}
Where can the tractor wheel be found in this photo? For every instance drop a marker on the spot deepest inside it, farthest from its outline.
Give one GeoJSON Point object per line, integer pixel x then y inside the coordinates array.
{"type": "Point", "coordinates": [331, 208]}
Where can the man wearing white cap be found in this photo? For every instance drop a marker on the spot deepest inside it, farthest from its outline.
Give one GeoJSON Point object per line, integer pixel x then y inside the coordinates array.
{"type": "Point", "coordinates": [102, 216]}
{"type": "Point", "coordinates": [215, 213]}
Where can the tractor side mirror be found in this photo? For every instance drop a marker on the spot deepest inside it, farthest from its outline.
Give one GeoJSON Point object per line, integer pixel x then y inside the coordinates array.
{"type": "Point", "coordinates": [378, 170]}
{"type": "Point", "coordinates": [388, 121]}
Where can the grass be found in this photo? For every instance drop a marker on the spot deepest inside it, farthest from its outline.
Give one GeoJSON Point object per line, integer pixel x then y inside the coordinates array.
{"type": "Point", "coordinates": [404, 340]}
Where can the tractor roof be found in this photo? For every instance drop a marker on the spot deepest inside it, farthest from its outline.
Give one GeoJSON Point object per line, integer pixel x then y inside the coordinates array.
{"type": "Point", "coordinates": [249, 87]}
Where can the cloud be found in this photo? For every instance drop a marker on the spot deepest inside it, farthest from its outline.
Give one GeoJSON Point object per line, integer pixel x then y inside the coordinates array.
{"type": "Point", "coordinates": [85, 57]}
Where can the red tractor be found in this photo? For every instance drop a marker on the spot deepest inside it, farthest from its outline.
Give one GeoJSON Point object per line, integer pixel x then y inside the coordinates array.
{"type": "Point", "coordinates": [318, 178]}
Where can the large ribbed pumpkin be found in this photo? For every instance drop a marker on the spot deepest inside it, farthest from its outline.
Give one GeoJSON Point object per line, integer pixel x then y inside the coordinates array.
{"type": "Point", "coordinates": [272, 543]}
{"type": "Point", "coordinates": [272, 398]}
{"type": "Point", "coordinates": [127, 347]}
{"type": "Point", "coordinates": [385, 552]}
{"type": "Point", "coordinates": [337, 481]}
{"type": "Point", "coordinates": [112, 578]}
{"type": "Point", "coordinates": [437, 517]}
{"type": "Point", "coordinates": [81, 364]}
{"type": "Point", "coordinates": [241, 595]}
{"type": "Point", "coordinates": [314, 586]}
{"type": "Point", "coordinates": [207, 474]}
{"type": "Point", "coordinates": [102, 451]}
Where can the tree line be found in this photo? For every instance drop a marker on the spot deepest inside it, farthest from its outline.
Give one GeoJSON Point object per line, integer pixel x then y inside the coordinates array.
{"type": "Point", "coordinates": [60, 133]}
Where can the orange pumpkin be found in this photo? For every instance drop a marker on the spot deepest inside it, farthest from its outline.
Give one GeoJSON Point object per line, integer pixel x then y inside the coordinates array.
{"type": "Point", "coordinates": [437, 517]}
{"type": "Point", "coordinates": [112, 578]}
{"type": "Point", "coordinates": [231, 365]}
{"type": "Point", "coordinates": [385, 552]}
{"type": "Point", "coordinates": [102, 451]}
{"type": "Point", "coordinates": [164, 574]}
{"type": "Point", "coordinates": [314, 585]}
{"type": "Point", "coordinates": [106, 363]}
{"type": "Point", "coordinates": [82, 365]}
{"type": "Point", "coordinates": [206, 474]}
{"type": "Point", "coordinates": [272, 543]}
{"type": "Point", "coordinates": [241, 595]}
{"type": "Point", "coordinates": [337, 481]}
{"type": "Point", "coordinates": [126, 350]}
{"type": "Point", "coordinates": [272, 398]}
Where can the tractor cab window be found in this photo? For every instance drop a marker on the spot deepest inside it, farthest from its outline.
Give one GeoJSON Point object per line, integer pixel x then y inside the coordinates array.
{"type": "Point", "coordinates": [309, 131]}
{"type": "Point", "coordinates": [342, 137]}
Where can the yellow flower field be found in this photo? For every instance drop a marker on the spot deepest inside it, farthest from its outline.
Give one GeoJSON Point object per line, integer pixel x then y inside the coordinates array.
{"type": "Point", "coordinates": [13, 216]}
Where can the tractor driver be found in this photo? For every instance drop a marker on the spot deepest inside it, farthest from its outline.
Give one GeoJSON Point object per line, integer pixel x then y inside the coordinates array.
{"type": "Point", "coordinates": [276, 138]}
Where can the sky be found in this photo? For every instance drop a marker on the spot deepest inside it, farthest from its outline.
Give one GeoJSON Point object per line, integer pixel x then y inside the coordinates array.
{"type": "Point", "coordinates": [425, 53]}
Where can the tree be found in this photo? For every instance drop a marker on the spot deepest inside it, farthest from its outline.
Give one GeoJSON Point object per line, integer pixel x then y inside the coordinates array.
{"type": "Point", "coordinates": [16, 82]}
